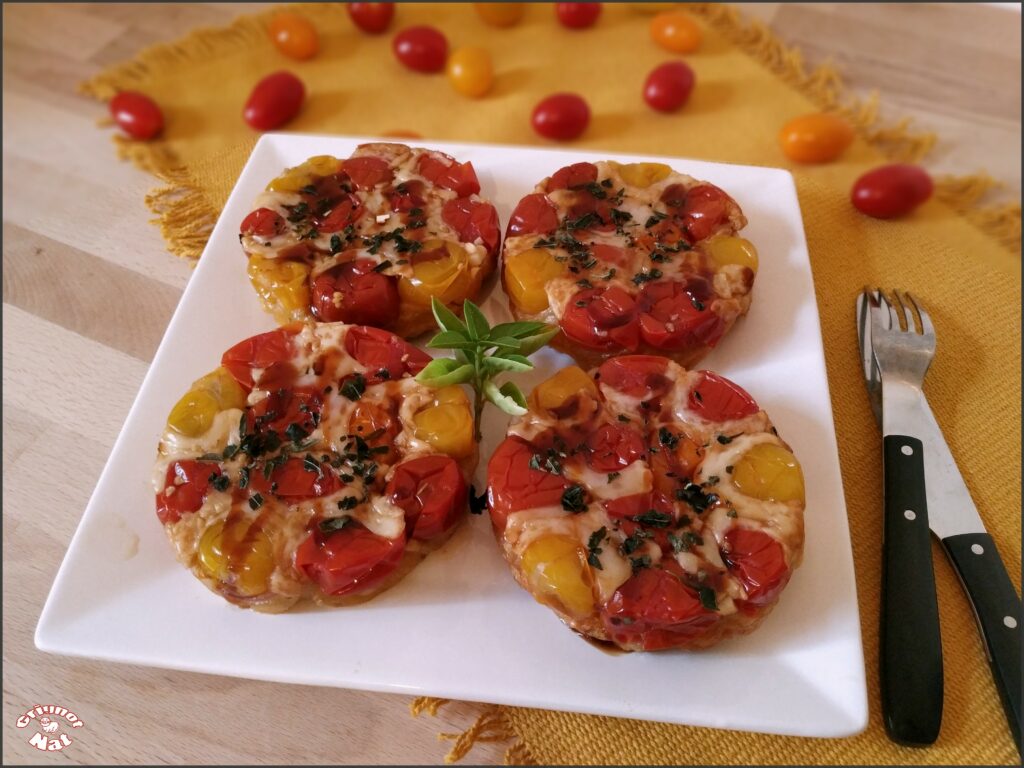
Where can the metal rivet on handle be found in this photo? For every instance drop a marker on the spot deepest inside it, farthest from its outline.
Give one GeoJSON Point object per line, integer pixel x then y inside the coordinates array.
{"type": "Point", "coordinates": [1010, 622]}
{"type": "Point", "coordinates": [907, 450]}
{"type": "Point", "coordinates": [977, 549]}
{"type": "Point", "coordinates": [910, 514]}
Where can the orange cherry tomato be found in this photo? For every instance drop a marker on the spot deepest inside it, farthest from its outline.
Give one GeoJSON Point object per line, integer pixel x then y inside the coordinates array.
{"type": "Point", "coordinates": [137, 114]}
{"type": "Point", "coordinates": [373, 18]}
{"type": "Point", "coordinates": [294, 36]}
{"type": "Point", "coordinates": [470, 72]}
{"type": "Point", "coordinates": [815, 138]}
{"type": "Point", "coordinates": [500, 14]}
{"type": "Point", "coordinates": [675, 31]}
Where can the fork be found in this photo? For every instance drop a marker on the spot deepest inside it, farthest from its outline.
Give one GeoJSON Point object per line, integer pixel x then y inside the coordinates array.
{"type": "Point", "coordinates": [918, 468]}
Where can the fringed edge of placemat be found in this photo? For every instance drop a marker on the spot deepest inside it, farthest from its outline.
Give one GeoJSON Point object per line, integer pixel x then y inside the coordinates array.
{"type": "Point", "coordinates": [490, 726]}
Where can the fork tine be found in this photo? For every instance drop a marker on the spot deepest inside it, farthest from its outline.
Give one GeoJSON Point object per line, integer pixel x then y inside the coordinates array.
{"type": "Point", "coordinates": [887, 305]}
{"type": "Point", "coordinates": [927, 329]}
{"type": "Point", "coordinates": [907, 321]}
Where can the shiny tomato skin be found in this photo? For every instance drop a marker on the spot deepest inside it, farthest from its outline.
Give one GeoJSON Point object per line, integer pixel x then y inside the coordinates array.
{"type": "Point", "coordinates": [573, 176]}
{"type": "Point", "coordinates": [470, 71]}
{"type": "Point", "coordinates": [372, 18]}
{"type": "Point", "coordinates": [344, 212]}
{"type": "Point", "coordinates": [602, 319]}
{"type": "Point", "coordinates": [668, 86]}
{"type": "Point", "coordinates": [137, 115]}
{"type": "Point", "coordinates": [577, 15]}
{"type": "Point", "coordinates": [432, 492]}
{"type": "Point", "coordinates": [815, 138]}
{"type": "Point", "coordinates": [705, 210]}
{"type": "Point", "coordinates": [294, 36]}
{"type": "Point", "coordinates": [759, 561]}
{"type": "Point", "coordinates": [459, 177]}
{"type": "Point", "coordinates": [512, 484]}
{"type": "Point", "coordinates": [190, 494]}
{"type": "Point", "coordinates": [261, 351]}
{"type": "Point", "coordinates": [301, 405]}
{"type": "Point", "coordinates": [655, 609]}
{"type": "Point", "coordinates": [715, 398]}
{"type": "Point", "coordinates": [614, 446]}
{"type": "Point", "coordinates": [295, 481]}
{"type": "Point", "coordinates": [275, 100]}
{"type": "Point", "coordinates": [534, 214]}
{"type": "Point", "coordinates": [891, 191]}
{"type": "Point", "coordinates": [636, 375]}
{"type": "Point", "coordinates": [366, 297]}
{"type": "Point", "coordinates": [349, 560]}
{"type": "Point", "coordinates": [672, 317]}
{"type": "Point", "coordinates": [561, 116]}
{"type": "Point", "coordinates": [379, 350]}
{"type": "Point", "coordinates": [263, 222]}
{"type": "Point", "coordinates": [473, 220]}
{"type": "Point", "coordinates": [422, 48]}
{"type": "Point", "coordinates": [367, 171]}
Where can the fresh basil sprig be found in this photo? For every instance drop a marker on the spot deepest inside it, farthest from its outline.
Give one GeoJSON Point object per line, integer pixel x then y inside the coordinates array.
{"type": "Point", "coordinates": [481, 353]}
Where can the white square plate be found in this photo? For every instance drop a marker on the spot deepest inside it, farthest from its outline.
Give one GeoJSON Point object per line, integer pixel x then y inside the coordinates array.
{"type": "Point", "coordinates": [458, 626]}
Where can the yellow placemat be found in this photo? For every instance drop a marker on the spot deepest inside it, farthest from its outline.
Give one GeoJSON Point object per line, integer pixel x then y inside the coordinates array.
{"type": "Point", "coordinates": [962, 261]}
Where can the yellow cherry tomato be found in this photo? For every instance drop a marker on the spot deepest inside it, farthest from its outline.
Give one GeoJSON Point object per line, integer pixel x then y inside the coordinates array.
{"type": "Point", "coordinates": [500, 14]}
{"type": "Point", "coordinates": [557, 572]}
{"type": "Point", "coordinates": [282, 285]}
{"type": "Point", "coordinates": [527, 273]}
{"type": "Point", "coordinates": [440, 269]}
{"type": "Point", "coordinates": [294, 36]}
{"type": "Point", "coordinates": [643, 174]}
{"type": "Point", "coordinates": [770, 473]}
{"type": "Point", "coordinates": [675, 31]}
{"type": "Point", "coordinates": [470, 72]}
{"type": "Point", "coordinates": [816, 138]}
{"type": "Point", "coordinates": [726, 249]}
{"type": "Point", "coordinates": [237, 557]}
{"type": "Point", "coordinates": [194, 413]}
{"type": "Point", "coordinates": [298, 177]}
{"type": "Point", "coordinates": [447, 424]}
{"type": "Point", "coordinates": [553, 393]}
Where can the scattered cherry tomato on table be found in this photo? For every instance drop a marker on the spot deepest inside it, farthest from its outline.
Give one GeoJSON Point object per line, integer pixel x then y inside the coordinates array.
{"type": "Point", "coordinates": [294, 36]}
{"type": "Point", "coordinates": [137, 114]}
{"type": "Point", "coordinates": [891, 190]}
{"type": "Point", "coordinates": [817, 138]}
{"type": "Point", "coordinates": [470, 72]}
{"type": "Point", "coordinates": [577, 15]}
{"type": "Point", "coordinates": [423, 48]}
{"type": "Point", "coordinates": [274, 101]}
{"type": "Point", "coordinates": [676, 32]}
{"type": "Point", "coordinates": [500, 14]}
{"type": "Point", "coordinates": [371, 17]}
{"type": "Point", "coordinates": [668, 86]}
{"type": "Point", "coordinates": [561, 116]}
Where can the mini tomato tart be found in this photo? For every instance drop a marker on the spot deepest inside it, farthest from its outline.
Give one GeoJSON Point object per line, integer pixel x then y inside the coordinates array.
{"type": "Point", "coordinates": [649, 506]}
{"type": "Point", "coordinates": [372, 239]}
{"type": "Point", "coordinates": [629, 258]}
{"type": "Point", "coordinates": [312, 465]}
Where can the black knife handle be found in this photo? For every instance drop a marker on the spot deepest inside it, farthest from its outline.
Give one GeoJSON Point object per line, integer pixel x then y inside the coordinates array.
{"type": "Point", "coordinates": [998, 610]}
{"type": "Point", "coordinates": [911, 650]}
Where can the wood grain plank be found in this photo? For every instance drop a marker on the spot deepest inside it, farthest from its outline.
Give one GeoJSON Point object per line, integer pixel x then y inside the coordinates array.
{"type": "Point", "coordinates": [75, 32]}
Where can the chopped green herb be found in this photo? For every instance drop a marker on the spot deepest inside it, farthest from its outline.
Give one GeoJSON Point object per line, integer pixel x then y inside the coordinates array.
{"type": "Point", "coordinates": [349, 502]}
{"type": "Point", "coordinates": [354, 387]}
{"type": "Point", "coordinates": [644, 561]}
{"type": "Point", "coordinates": [574, 499]}
{"type": "Point", "coordinates": [612, 476]}
{"type": "Point", "coordinates": [654, 518]}
{"type": "Point", "coordinates": [707, 598]}
{"type": "Point", "coordinates": [643, 277]}
{"type": "Point", "coordinates": [667, 438]}
{"type": "Point", "coordinates": [332, 524]}
{"type": "Point", "coordinates": [595, 189]}
{"type": "Point", "coordinates": [255, 501]}
{"type": "Point", "coordinates": [383, 266]}
{"type": "Point", "coordinates": [220, 482]}
{"type": "Point", "coordinates": [594, 547]}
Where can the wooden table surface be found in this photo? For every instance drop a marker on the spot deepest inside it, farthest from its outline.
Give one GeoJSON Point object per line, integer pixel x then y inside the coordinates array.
{"type": "Point", "coordinates": [88, 291]}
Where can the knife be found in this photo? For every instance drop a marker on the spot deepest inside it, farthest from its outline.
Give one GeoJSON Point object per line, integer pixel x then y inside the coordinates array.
{"type": "Point", "coordinates": [954, 519]}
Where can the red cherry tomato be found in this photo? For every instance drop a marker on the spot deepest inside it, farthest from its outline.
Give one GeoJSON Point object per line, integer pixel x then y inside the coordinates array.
{"type": "Point", "coordinates": [758, 561]}
{"type": "Point", "coordinates": [672, 317]}
{"type": "Point", "coordinates": [573, 176]}
{"type": "Point", "coordinates": [610, 254]}
{"type": "Point", "coordinates": [261, 351]}
{"type": "Point", "coordinates": [423, 49]}
{"type": "Point", "coordinates": [636, 375]}
{"type": "Point", "coordinates": [891, 190]}
{"type": "Point", "coordinates": [294, 36]}
{"type": "Point", "coordinates": [373, 18]}
{"type": "Point", "coordinates": [367, 172]}
{"type": "Point", "coordinates": [432, 493]}
{"type": "Point", "coordinates": [614, 446]}
{"type": "Point", "coordinates": [379, 350]}
{"type": "Point", "coordinates": [603, 319]}
{"type": "Point", "coordinates": [577, 15]}
{"type": "Point", "coordinates": [295, 481]}
{"type": "Point", "coordinates": [534, 214]}
{"type": "Point", "coordinates": [190, 481]}
{"type": "Point", "coordinates": [512, 484]}
{"type": "Point", "coordinates": [408, 195]}
{"type": "Point", "coordinates": [274, 101]}
{"type": "Point", "coordinates": [344, 212]}
{"type": "Point", "coordinates": [353, 292]}
{"type": "Point", "coordinates": [703, 209]}
{"type": "Point", "coordinates": [263, 222]}
{"type": "Point", "coordinates": [137, 114]}
{"type": "Point", "coordinates": [655, 609]}
{"type": "Point", "coordinates": [715, 398]}
{"type": "Point", "coordinates": [353, 559]}
{"type": "Point", "coordinates": [668, 86]}
{"type": "Point", "coordinates": [458, 177]}
{"type": "Point", "coordinates": [283, 407]}
{"type": "Point", "coordinates": [561, 116]}
{"type": "Point", "coordinates": [473, 220]}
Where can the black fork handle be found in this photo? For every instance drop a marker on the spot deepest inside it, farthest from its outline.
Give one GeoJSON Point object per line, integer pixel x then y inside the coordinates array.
{"type": "Point", "coordinates": [910, 655]}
